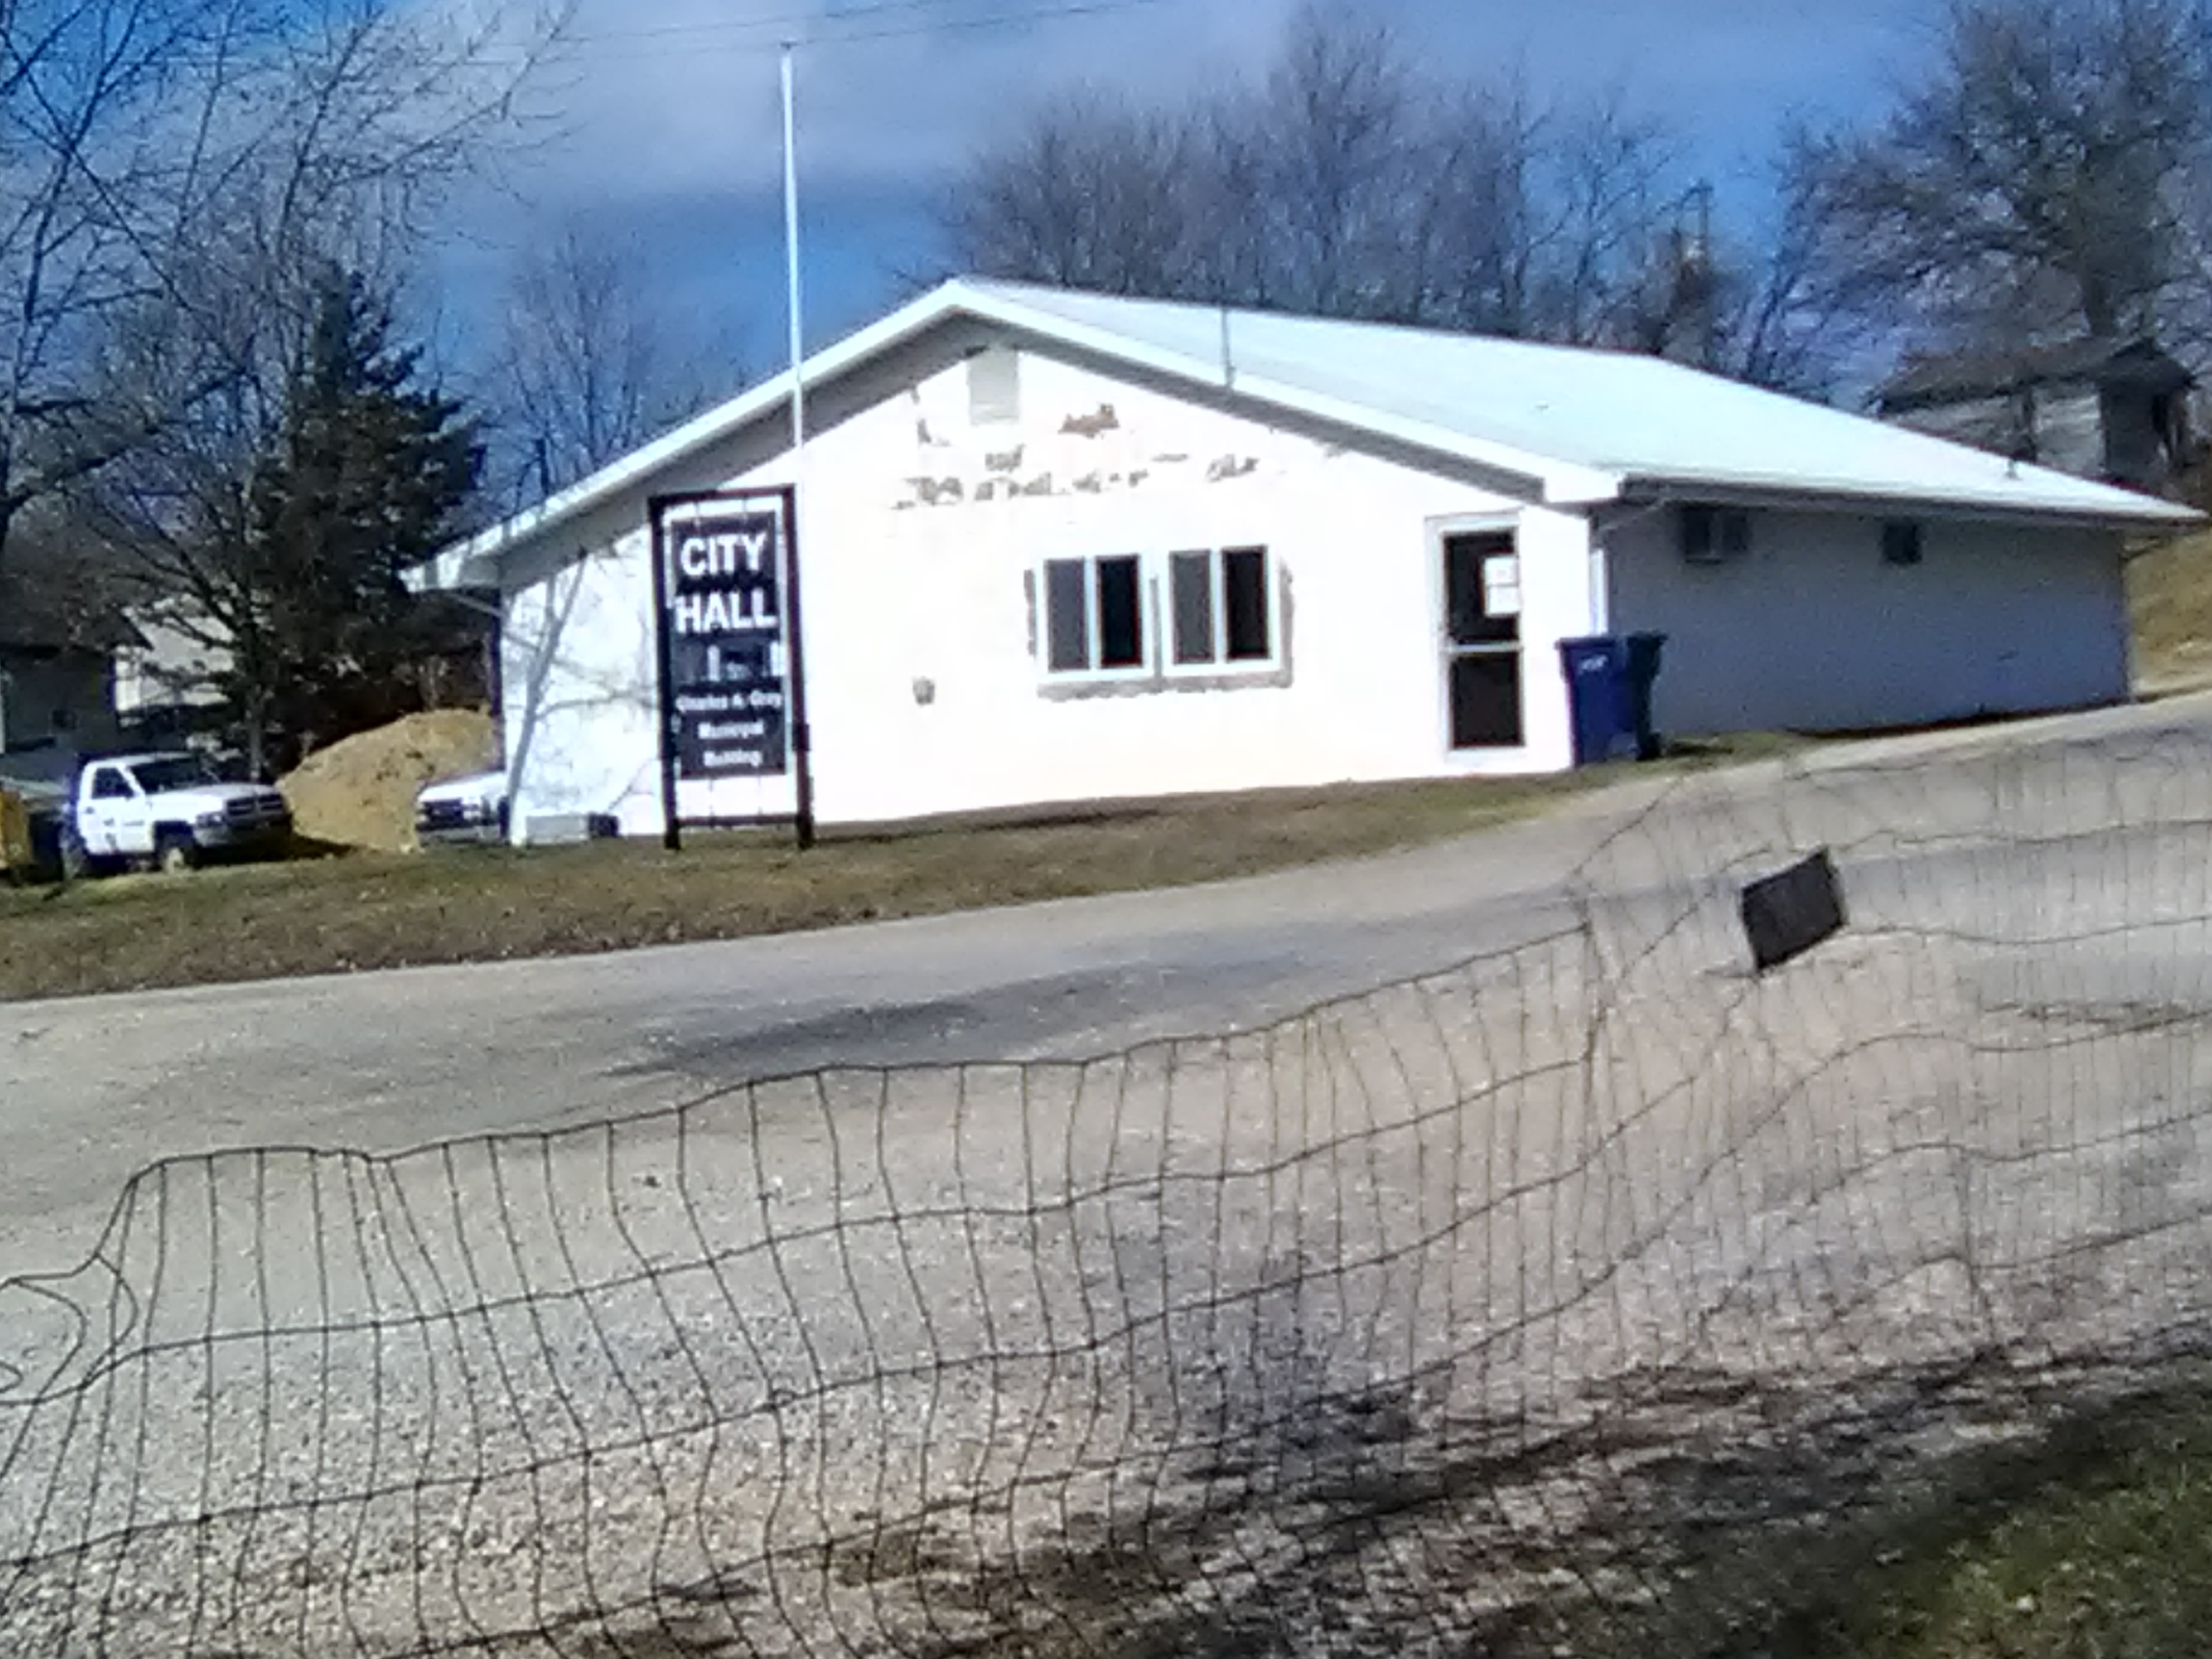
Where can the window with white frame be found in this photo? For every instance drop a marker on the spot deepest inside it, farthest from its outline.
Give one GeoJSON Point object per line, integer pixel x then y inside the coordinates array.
{"type": "Point", "coordinates": [1219, 605]}
{"type": "Point", "coordinates": [1094, 614]}
{"type": "Point", "coordinates": [1197, 608]}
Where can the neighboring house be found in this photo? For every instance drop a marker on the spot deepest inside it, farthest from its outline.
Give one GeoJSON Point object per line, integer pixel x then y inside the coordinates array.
{"type": "Point", "coordinates": [169, 684]}
{"type": "Point", "coordinates": [2112, 410]}
{"type": "Point", "coordinates": [57, 668]}
{"type": "Point", "coordinates": [1060, 547]}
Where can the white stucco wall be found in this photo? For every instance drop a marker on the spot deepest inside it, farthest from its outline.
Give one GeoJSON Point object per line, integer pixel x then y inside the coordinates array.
{"type": "Point", "coordinates": [923, 532]}
{"type": "Point", "coordinates": [1815, 632]}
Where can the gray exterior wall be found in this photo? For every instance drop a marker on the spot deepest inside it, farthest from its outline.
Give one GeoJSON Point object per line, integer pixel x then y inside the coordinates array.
{"type": "Point", "coordinates": [1813, 631]}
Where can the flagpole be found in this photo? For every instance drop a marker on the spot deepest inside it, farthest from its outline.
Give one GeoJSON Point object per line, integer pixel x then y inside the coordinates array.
{"type": "Point", "coordinates": [802, 739]}
{"type": "Point", "coordinates": [791, 255]}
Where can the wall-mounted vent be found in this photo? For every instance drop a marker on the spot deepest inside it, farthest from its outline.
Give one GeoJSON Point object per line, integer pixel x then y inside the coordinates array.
{"type": "Point", "coordinates": [994, 387]}
{"type": "Point", "coordinates": [1715, 535]}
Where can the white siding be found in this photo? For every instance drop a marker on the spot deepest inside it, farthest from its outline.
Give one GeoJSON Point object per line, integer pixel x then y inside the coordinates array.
{"type": "Point", "coordinates": [923, 528]}
{"type": "Point", "coordinates": [1815, 632]}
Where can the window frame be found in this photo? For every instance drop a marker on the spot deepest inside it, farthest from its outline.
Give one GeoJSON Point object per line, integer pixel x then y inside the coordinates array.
{"type": "Point", "coordinates": [1220, 664]}
{"type": "Point", "coordinates": [1157, 620]}
{"type": "Point", "coordinates": [1093, 669]}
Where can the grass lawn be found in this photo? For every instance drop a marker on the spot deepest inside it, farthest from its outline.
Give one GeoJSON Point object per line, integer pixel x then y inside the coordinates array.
{"type": "Point", "coordinates": [2105, 1550]}
{"type": "Point", "coordinates": [2091, 1540]}
{"type": "Point", "coordinates": [365, 910]}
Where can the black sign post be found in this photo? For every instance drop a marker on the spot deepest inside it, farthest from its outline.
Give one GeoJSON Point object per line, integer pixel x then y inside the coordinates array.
{"type": "Point", "coordinates": [732, 694]}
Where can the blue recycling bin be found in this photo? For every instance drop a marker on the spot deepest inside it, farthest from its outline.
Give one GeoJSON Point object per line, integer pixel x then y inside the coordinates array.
{"type": "Point", "coordinates": [1599, 698]}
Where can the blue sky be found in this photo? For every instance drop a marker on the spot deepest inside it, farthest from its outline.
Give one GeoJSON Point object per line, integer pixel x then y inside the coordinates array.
{"type": "Point", "coordinates": [662, 126]}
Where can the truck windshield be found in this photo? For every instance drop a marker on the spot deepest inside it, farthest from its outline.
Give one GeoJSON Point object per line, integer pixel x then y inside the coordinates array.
{"type": "Point", "coordinates": [169, 772]}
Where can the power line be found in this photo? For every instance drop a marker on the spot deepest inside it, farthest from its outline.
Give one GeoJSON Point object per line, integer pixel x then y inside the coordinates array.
{"type": "Point", "coordinates": [774, 21]}
{"type": "Point", "coordinates": [767, 34]}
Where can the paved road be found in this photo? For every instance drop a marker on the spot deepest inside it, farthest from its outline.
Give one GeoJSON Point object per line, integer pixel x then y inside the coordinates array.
{"type": "Point", "coordinates": [97, 1088]}
{"type": "Point", "coordinates": [93, 1090]}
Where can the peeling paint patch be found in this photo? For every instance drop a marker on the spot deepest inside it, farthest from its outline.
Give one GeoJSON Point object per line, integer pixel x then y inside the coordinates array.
{"type": "Point", "coordinates": [988, 490]}
{"type": "Point", "coordinates": [1090, 483]}
{"type": "Point", "coordinates": [1007, 460]}
{"type": "Point", "coordinates": [939, 492]}
{"type": "Point", "coordinates": [1040, 485]}
{"type": "Point", "coordinates": [1092, 426]}
{"type": "Point", "coordinates": [1232, 466]}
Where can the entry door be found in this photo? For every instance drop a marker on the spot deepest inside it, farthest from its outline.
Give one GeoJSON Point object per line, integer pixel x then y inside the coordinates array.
{"type": "Point", "coordinates": [1482, 638]}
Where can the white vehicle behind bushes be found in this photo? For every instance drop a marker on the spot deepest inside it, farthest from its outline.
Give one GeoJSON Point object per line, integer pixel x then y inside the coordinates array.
{"type": "Point", "coordinates": [168, 811]}
{"type": "Point", "coordinates": [468, 809]}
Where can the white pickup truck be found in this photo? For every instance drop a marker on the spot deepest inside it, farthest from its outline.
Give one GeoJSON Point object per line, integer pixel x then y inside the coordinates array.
{"type": "Point", "coordinates": [467, 809]}
{"type": "Point", "coordinates": [167, 811]}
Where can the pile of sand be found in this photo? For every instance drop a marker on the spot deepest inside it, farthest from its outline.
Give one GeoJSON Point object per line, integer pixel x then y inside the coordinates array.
{"type": "Point", "coordinates": [360, 792]}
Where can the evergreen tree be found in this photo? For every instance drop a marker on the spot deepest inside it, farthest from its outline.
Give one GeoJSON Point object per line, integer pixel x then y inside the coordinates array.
{"type": "Point", "coordinates": [366, 476]}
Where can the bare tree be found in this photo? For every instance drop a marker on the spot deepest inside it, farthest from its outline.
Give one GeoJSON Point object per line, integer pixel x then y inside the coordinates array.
{"type": "Point", "coordinates": [1337, 140]}
{"type": "Point", "coordinates": [172, 173]}
{"type": "Point", "coordinates": [1091, 192]}
{"type": "Point", "coordinates": [2042, 180]}
{"type": "Point", "coordinates": [1349, 182]}
{"type": "Point", "coordinates": [592, 364]}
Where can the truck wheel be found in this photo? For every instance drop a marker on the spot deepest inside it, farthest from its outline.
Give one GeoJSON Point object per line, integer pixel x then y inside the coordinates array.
{"type": "Point", "coordinates": [174, 853]}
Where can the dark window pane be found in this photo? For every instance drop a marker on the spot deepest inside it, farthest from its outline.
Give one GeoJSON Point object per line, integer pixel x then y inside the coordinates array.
{"type": "Point", "coordinates": [1470, 615]}
{"type": "Point", "coordinates": [1486, 700]}
{"type": "Point", "coordinates": [1067, 626]}
{"type": "Point", "coordinates": [1190, 575]}
{"type": "Point", "coordinates": [1121, 615]}
{"type": "Point", "coordinates": [1244, 596]}
{"type": "Point", "coordinates": [1900, 542]}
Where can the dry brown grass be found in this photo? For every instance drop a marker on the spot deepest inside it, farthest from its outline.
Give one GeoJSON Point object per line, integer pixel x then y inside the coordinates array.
{"type": "Point", "coordinates": [369, 911]}
{"type": "Point", "coordinates": [2170, 598]}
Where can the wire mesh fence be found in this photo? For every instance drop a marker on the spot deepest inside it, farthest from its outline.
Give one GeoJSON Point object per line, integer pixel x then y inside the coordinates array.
{"type": "Point", "coordinates": [1589, 1297]}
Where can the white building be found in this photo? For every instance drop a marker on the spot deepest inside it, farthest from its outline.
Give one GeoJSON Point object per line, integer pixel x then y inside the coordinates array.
{"type": "Point", "coordinates": [1059, 547]}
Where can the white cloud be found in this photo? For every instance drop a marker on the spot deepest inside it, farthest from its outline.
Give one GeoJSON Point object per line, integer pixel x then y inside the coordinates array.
{"type": "Point", "coordinates": [668, 100]}
{"type": "Point", "coordinates": [668, 125]}
{"type": "Point", "coordinates": [674, 99]}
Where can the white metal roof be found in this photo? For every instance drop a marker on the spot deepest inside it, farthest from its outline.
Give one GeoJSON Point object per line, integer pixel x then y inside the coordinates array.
{"type": "Point", "coordinates": [1585, 427]}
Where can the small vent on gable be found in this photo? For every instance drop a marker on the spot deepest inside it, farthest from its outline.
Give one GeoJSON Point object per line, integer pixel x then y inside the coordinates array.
{"type": "Point", "coordinates": [994, 387]}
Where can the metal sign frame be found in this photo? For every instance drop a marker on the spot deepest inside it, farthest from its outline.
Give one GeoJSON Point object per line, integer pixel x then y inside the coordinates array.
{"type": "Point", "coordinates": [783, 501]}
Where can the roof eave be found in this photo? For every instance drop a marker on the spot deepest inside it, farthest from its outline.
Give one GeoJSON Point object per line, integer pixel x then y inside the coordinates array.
{"type": "Point", "coordinates": [475, 561]}
{"type": "Point", "coordinates": [2145, 515]}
